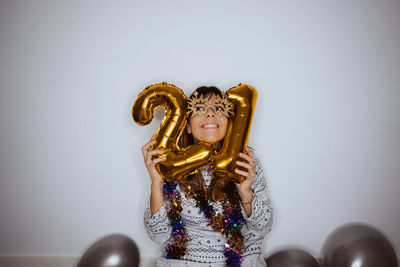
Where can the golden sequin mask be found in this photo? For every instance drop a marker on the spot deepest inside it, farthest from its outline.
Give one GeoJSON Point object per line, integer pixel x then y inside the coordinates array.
{"type": "Point", "coordinates": [199, 105]}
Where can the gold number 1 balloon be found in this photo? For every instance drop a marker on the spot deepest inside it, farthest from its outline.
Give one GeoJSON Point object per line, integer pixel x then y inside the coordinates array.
{"type": "Point", "coordinates": [244, 98]}
{"type": "Point", "coordinates": [179, 161]}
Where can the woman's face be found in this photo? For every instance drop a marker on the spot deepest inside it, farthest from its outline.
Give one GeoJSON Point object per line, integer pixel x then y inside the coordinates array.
{"type": "Point", "coordinates": [208, 127]}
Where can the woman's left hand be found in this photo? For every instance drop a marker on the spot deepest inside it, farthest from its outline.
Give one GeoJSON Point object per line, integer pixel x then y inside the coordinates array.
{"type": "Point", "coordinates": [249, 174]}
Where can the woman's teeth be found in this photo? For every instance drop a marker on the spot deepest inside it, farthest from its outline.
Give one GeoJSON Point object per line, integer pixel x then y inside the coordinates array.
{"type": "Point", "coordinates": [209, 126]}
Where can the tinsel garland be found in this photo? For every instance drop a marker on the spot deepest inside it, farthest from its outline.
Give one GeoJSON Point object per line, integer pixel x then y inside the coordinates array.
{"type": "Point", "coordinates": [229, 223]}
{"type": "Point", "coordinates": [177, 249]}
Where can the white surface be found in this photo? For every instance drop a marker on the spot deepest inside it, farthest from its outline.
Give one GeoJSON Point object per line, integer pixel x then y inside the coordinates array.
{"type": "Point", "coordinates": [38, 261]}
{"type": "Point", "coordinates": [55, 262]}
{"type": "Point", "coordinates": [326, 126]}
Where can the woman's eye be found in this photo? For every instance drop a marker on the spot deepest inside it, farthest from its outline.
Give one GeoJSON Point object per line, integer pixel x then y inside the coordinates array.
{"type": "Point", "coordinates": [199, 108]}
{"type": "Point", "coordinates": [219, 108]}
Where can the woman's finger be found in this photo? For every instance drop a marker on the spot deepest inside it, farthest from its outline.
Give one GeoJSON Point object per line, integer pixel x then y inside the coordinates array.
{"type": "Point", "coordinates": [246, 157]}
{"type": "Point", "coordinates": [244, 164]}
{"type": "Point", "coordinates": [159, 159]}
{"type": "Point", "coordinates": [148, 145]}
{"type": "Point", "coordinates": [154, 152]}
{"type": "Point", "coordinates": [243, 173]}
{"type": "Point", "coordinates": [145, 149]}
{"type": "Point", "coordinates": [250, 152]}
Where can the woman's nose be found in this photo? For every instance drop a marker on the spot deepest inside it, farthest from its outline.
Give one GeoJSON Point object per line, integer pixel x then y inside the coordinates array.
{"type": "Point", "coordinates": [210, 112]}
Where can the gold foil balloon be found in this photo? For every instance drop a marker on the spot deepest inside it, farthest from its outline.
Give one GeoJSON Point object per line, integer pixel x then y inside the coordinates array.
{"type": "Point", "coordinates": [244, 98]}
{"type": "Point", "coordinates": [179, 162]}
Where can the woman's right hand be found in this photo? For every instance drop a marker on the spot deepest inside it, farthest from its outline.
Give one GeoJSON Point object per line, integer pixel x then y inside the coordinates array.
{"type": "Point", "coordinates": [150, 163]}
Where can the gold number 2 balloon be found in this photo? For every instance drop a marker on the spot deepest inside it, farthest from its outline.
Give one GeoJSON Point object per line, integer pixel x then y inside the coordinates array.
{"type": "Point", "coordinates": [179, 161]}
{"type": "Point", "coordinates": [244, 98]}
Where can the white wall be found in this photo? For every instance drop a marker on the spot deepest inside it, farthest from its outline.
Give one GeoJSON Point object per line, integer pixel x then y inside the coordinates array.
{"type": "Point", "coordinates": [326, 126]}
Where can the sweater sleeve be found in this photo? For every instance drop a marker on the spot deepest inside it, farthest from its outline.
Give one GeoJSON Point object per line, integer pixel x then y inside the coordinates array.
{"type": "Point", "coordinates": [157, 226]}
{"type": "Point", "coordinates": [262, 215]}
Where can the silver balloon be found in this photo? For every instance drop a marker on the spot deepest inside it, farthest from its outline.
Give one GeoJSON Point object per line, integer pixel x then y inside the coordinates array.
{"type": "Point", "coordinates": [358, 245]}
{"type": "Point", "coordinates": [291, 257]}
{"type": "Point", "coordinates": [111, 251]}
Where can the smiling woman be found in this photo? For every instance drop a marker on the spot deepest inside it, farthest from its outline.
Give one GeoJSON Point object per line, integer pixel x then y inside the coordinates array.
{"type": "Point", "coordinates": [199, 230]}
{"type": "Point", "coordinates": [208, 117]}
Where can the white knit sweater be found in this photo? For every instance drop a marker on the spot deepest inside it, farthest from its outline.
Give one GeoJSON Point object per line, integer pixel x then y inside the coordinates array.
{"type": "Point", "coordinates": [205, 246]}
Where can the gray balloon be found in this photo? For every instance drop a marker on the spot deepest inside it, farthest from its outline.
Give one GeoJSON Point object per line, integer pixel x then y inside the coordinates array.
{"type": "Point", "coordinates": [358, 245]}
{"type": "Point", "coordinates": [111, 251]}
{"type": "Point", "coordinates": [291, 257]}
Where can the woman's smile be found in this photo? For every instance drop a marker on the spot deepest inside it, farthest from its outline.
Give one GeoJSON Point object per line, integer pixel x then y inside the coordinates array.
{"type": "Point", "coordinates": [209, 125]}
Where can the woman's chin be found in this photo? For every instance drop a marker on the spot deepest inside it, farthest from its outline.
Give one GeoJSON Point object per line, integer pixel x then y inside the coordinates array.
{"type": "Point", "coordinates": [212, 140]}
